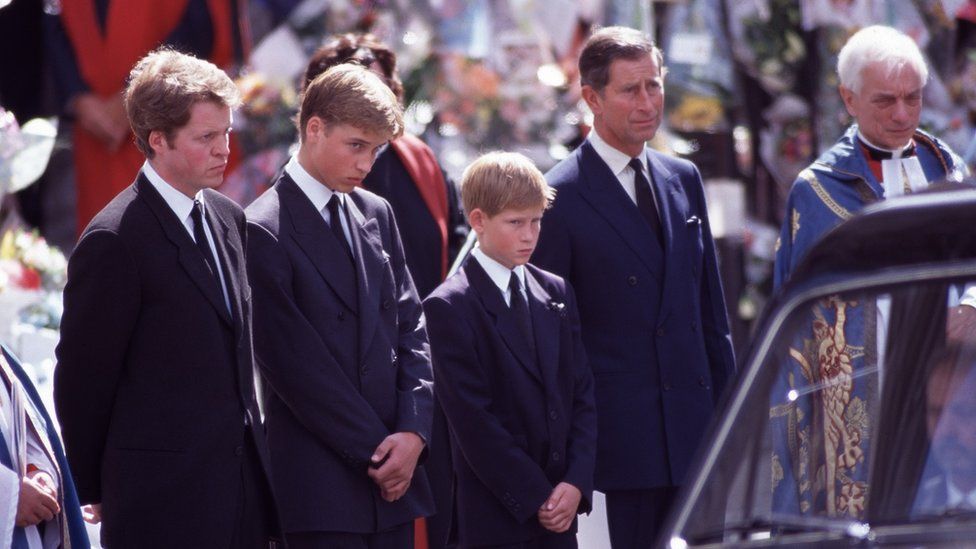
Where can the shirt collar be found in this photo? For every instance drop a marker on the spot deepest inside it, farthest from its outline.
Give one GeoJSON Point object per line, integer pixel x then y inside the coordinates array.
{"type": "Point", "coordinates": [956, 497]}
{"type": "Point", "coordinates": [315, 190]}
{"type": "Point", "coordinates": [614, 158]}
{"type": "Point", "coordinates": [890, 153]}
{"type": "Point", "coordinates": [498, 273]}
{"type": "Point", "coordinates": [181, 204]}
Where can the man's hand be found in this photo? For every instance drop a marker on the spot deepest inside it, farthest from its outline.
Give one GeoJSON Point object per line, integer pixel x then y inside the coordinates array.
{"type": "Point", "coordinates": [92, 513]}
{"type": "Point", "coordinates": [38, 500]}
{"type": "Point", "coordinates": [397, 458]}
{"type": "Point", "coordinates": [103, 118]}
{"type": "Point", "coordinates": [961, 324]}
{"type": "Point", "coordinates": [559, 511]}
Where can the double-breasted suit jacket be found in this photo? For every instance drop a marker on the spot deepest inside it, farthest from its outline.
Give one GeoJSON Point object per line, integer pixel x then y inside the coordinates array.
{"type": "Point", "coordinates": [653, 316]}
{"type": "Point", "coordinates": [521, 422]}
{"type": "Point", "coordinates": [344, 349]}
{"type": "Point", "coordinates": [154, 386]}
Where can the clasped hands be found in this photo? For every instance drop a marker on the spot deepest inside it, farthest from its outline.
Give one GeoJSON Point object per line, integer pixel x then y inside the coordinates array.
{"type": "Point", "coordinates": [104, 118]}
{"type": "Point", "coordinates": [393, 464]}
{"type": "Point", "coordinates": [38, 501]}
{"type": "Point", "coordinates": [558, 512]}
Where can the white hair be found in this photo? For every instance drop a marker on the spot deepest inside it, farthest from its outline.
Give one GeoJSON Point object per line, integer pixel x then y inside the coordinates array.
{"type": "Point", "coordinates": [878, 44]}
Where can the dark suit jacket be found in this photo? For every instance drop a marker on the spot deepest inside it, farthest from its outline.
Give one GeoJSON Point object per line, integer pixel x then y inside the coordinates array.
{"type": "Point", "coordinates": [154, 380]}
{"type": "Point", "coordinates": [345, 354]}
{"type": "Point", "coordinates": [654, 322]}
{"type": "Point", "coordinates": [520, 424]}
{"type": "Point", "coordinates": [418, 230]}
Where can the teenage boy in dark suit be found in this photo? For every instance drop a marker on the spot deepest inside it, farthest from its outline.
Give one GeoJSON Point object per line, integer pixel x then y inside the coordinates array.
{"type": "Point", "coordinates": [339, 330]}
{"type": "Point", "coordinates": [512, 373]}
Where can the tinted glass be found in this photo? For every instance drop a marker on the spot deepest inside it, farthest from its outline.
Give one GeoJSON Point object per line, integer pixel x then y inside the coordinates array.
{"type": "Point", "coordinates": [863, 410]}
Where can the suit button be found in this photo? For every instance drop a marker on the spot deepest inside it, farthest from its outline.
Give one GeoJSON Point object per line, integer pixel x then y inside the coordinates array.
{"type": "Point", "coordinates": [363, 369]}
{"type": "Point", "coordinates": [555, 456]}
{"type": "Point", "coordinates": [342, 315]}
{"type": "Point", "coordinates": [701, 381]}
{"type": "Point", "coordinates": [632, 280]}
{"type": "Point", "coordinates": [385, 304]}
{"type": "Point", "coordinates": [660, 332]}
{"type": "Point", "coordinates": [239, 451]}
{"type": "Point", "coordinates": [667, 386]}
{"type": "Point", "coordinates": [553, 415]}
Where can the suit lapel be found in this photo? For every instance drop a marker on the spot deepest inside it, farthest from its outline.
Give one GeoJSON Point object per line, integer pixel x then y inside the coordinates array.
{"type": "Point", "coordinates": [665, 183]}
{"type": "Point", "coordinates": [189, 256]}
{"type": "Point", "coordinates": [603, 191]}
{"type": "Point", "coordinates": [367, 247]}
{"type": "Point", "coordinates": [319, 244]}
{"type": "Point", "coordinates": [505, 323]}
{"type": "Point", "coordinates": [229, 252]}
{"type": "Point", "coordinates": [545, 326]}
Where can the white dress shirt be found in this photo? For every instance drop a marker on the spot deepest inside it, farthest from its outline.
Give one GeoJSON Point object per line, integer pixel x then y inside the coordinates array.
{"type": "Point", "coordinates": [319, 194]}
{"type": "Point", "coordinates": [500, 274]}
{"type": "Point", "coordinates": [619, 164]}
{"type": "Point", "coordinates": [182, 206]}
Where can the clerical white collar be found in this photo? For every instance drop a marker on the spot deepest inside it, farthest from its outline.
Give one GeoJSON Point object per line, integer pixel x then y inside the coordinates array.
{"type": "Point", "coordinates": [616, 159]}
{"type": "Point", "coordinates": [498, 273]}
{"type": "Point", "coordinates": [895, 153]}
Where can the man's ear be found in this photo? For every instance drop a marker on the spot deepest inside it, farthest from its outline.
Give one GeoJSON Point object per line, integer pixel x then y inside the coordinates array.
{"type": "Point", "coordinates": [315, 128]}
{"type": "Point", "coordinates": [477, 219]}
{"type": "Point", "coordinates": [848, 96]}
{"type": "Point", "coordinates": [593, 99]}
{"type": "Point", "coordinates": [157, 141]}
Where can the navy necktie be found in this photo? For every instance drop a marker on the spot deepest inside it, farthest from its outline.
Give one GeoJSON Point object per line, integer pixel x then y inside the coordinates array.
{"type": "Point", "coordinates": [645, 200]}
{"type": "Point", "coordinates": [520, 309]}
{"type": "Point", "coordinates": [337, 209]}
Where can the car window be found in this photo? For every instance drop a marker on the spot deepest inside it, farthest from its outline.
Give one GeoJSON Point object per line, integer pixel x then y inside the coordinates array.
{"type": "Point", "coordinates": [861, 411]}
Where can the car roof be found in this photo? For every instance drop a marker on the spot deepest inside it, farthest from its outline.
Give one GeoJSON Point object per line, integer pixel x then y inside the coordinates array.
{"type": "Point", "coordinates": [936, 225]}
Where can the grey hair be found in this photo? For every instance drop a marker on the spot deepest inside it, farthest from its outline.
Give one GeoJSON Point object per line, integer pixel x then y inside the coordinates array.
{"type": "Point", "coordinates": [889, 47]}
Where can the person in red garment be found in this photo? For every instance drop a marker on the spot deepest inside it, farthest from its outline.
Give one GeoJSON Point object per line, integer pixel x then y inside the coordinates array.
{"type": "Point", "coordinates": [98, 42]}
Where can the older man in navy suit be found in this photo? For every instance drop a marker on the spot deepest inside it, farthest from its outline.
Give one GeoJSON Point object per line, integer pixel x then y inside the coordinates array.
{"type": "Point", "coordinates": [629, 230]}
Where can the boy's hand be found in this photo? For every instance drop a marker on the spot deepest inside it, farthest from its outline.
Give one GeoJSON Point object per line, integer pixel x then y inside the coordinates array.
{"type": "Point", "coordinates": [559, 511]}
{"type": "Point", "coordinates": [397, 457]}
{"type": "Point", "coordinates": [37, 502]}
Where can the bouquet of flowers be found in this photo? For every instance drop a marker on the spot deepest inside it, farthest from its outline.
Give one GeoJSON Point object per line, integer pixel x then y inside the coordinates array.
{"type": "Point", "coordinates": [24, 151]}
{"type": "Point", "coordinates": [264, 130]}
{"type": "Point", "coordinates": [768, 41]}
{"type": "Point", "coordinates": [32, 276]}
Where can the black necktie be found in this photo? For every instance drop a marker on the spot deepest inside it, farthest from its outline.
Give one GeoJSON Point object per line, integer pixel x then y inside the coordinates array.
{"type": "Point", "coordinates": [520, 309]}
{"type": "Point", "coordinates": [336, 209]}
{"type": "Point", "coordinates": [645, 200]}
{"type": "Point", "coordinates": [202, 244]}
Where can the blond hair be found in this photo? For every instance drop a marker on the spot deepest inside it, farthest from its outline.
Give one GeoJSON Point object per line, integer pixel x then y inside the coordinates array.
{"type": "Point", "coordinates": [499, 181]}
{"type": "Point", "coordinates": [352, 95]}
{"type": "Point", "coordinates": [164, 86]}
